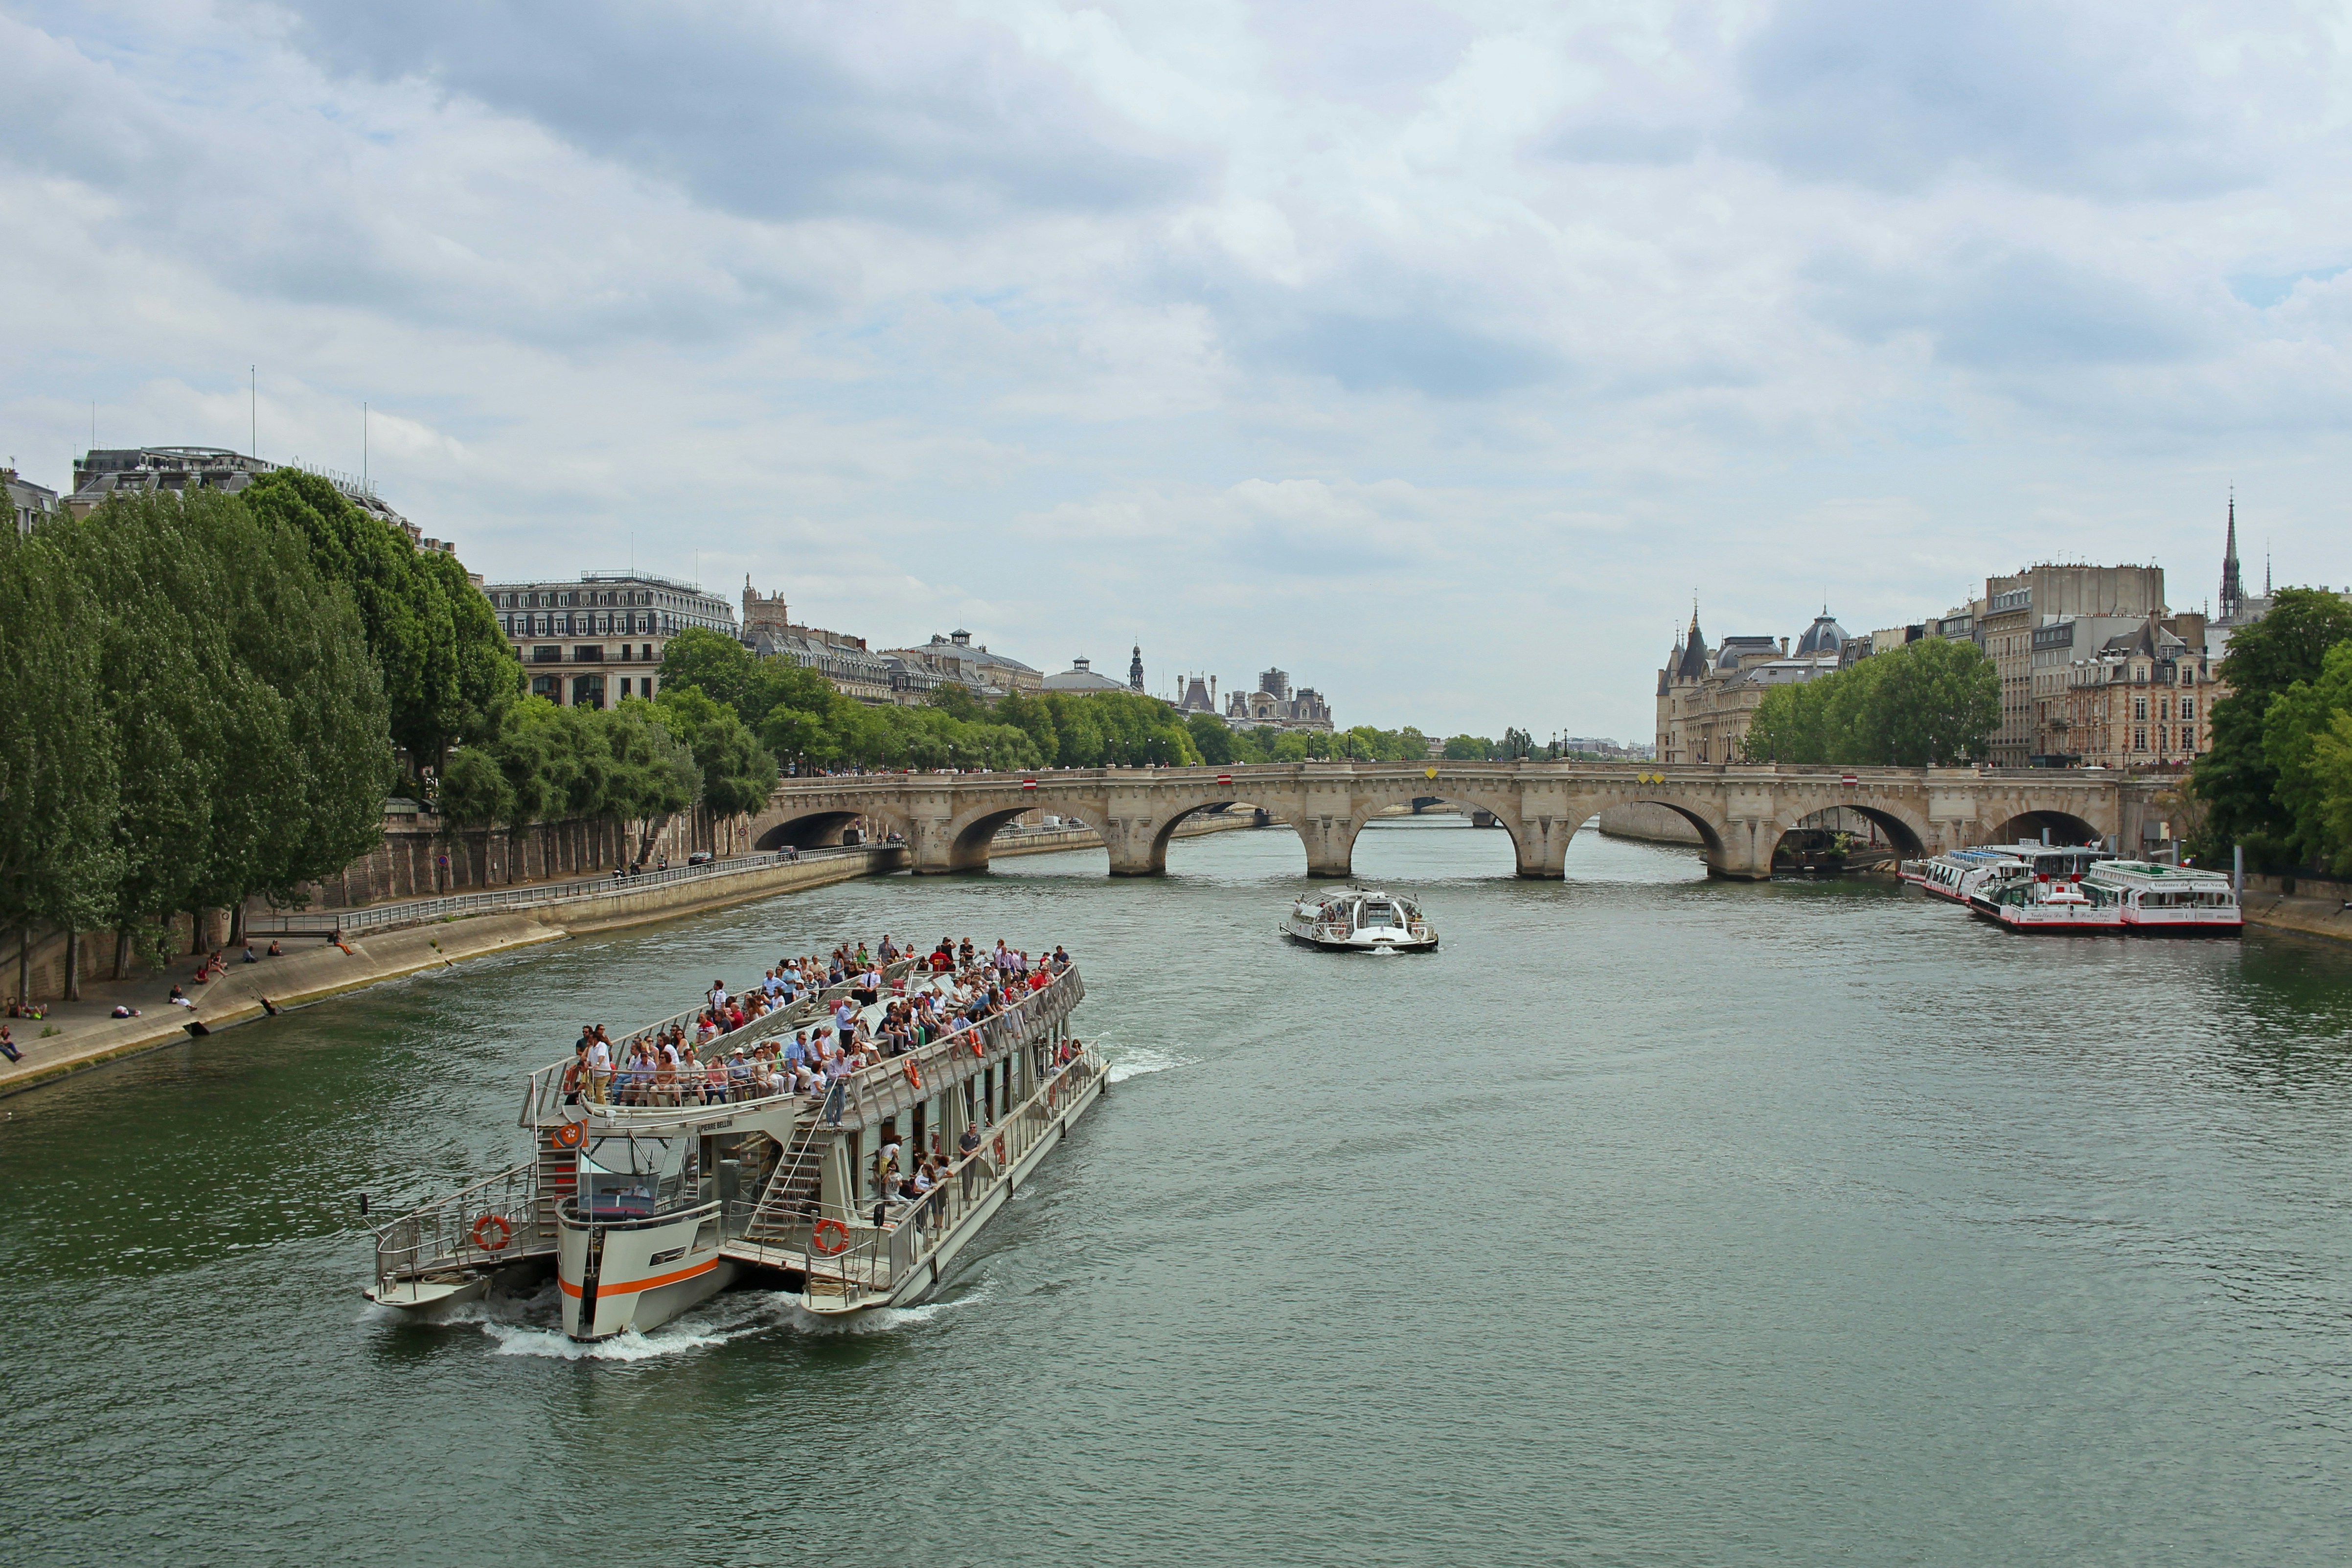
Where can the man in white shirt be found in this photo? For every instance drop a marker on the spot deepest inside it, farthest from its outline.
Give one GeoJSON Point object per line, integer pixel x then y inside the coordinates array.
{"type": "Point", "coordinates": [599, 1068]}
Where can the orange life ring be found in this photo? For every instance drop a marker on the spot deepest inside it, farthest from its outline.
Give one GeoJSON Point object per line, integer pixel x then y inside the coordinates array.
{"type": "Point", "coordinates": [569, 1135]}
{"type": "Point", "coordinates": [484, 1226]}
{"type": "Point", "coordinates": [979, 1047]}
{"type": "Point", "coordinates": [1000, 1148]}
{"type": "Point", "coordinates": [913, 1077]}
{"type": "Point", "coordinates": [838, 1233]}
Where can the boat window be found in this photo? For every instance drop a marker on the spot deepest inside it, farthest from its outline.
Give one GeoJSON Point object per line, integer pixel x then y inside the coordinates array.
{"type": "Point", "coordinates": [1374, 916]}
{"type": "Point", "coordinates": [633, 1175]}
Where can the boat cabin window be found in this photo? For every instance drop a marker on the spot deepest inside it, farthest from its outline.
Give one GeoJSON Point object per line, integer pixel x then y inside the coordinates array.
{"type": "Point", "coordinates": [1377, 916]}
{"type": "Point", "coordinates": [633, 1176]}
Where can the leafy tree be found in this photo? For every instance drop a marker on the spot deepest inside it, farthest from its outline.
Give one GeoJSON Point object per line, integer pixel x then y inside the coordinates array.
{"type": "Point", "coordinates": [445, 668]}
{"type": "Point", "coordinates": [2238, 779]}
{"type": "Point", "coordinates": [1927, 704]}
{"type": "Point", "coordinates": [2331, 775]}
{"type": "Point", "coordinates": [2297, 719]}
{"type": "Point", "coordinates": [736, 775]}
{"type": "Point", "coordinates": [1467, 748]}
{"type": "Point", "coordinates": [713, 664]}
{"type": "Point", "coordinates": [1211, 738]}
{"type": "Point", "coordinates": [58, 782]}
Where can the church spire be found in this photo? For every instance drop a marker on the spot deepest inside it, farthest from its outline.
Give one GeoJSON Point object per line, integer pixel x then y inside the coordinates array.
{"type": "Point", "coordinates": [2232, 591]}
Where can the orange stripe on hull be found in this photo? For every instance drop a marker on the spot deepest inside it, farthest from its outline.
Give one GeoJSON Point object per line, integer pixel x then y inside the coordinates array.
{"type": "Point", "coordinates": [633, 1286]}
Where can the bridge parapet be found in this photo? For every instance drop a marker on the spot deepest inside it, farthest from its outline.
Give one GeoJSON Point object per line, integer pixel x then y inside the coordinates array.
{"type": "Point", "coordinates": [1740, 811]}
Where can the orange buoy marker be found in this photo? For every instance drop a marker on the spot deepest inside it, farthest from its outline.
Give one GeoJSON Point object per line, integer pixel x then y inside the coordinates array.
{"type": "Point", "coordinates": [831, 1237]}
{"type": "Point", "coordinates": [569, 1135]}
{"type": "Point", "coordinates": [913, 1077]}
{"type": "Point", "coordinates": [491, 1233]}
{"type": "Point", "coordinates": [1000, 1148]}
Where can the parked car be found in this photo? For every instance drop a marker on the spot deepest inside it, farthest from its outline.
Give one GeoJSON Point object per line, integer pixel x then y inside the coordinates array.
{"type": "Point", "coordinates": [700, 857]}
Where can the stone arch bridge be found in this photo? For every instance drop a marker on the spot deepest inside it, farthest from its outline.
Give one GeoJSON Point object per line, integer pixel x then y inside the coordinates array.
{"type": "Point", "coordinates": [1740, 812]}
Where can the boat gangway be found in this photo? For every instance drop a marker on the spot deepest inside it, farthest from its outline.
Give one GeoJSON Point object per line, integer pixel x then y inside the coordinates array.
{"type": "Point", "coordinates": [784, 1183]}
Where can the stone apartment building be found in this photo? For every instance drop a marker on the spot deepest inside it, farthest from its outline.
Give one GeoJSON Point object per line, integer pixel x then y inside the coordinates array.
{"type": "Point", "coordinates": [29, 505]}
{"type": "Point", "coordinates": [590, 643]}
{"type": "Point", "coordinates": [2137, 696]}
{"type": "Point", "coordinates": [955, 657]}
{"type": "Point", "coordinates": [856, 670]}
{"type": "Point", "coordinates": [2015, 607]}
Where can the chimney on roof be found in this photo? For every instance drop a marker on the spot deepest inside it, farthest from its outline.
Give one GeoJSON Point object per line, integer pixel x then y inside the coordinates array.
{"type": "Point", "coordinates": [1784, 647]}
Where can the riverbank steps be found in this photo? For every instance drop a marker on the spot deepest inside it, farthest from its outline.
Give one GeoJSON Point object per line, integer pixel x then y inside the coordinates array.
{"type": "Point", "coordinates": [1649, 1221]}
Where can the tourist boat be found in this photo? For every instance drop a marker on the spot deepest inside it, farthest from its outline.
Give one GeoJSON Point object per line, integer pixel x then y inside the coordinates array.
{"type": "Point", "coordinates": [2170, 900]}
{"type": "Point", "coordinates": [1359, 920]}
{"type": "Point", "coordinates": [640, 1212]}
{"type": "Point", "coordinates": [1957, 874]}
{"type": "Point", "coordinates": [2023, 899]}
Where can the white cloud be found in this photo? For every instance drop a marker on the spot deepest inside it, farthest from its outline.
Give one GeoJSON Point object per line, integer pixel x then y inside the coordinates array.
{"type": "Point", "coordinates": [1437, 352]}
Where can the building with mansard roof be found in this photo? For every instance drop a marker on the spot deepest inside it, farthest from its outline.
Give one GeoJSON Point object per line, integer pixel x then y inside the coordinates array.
{"type": "Point", "coordinates": [1707, 696]}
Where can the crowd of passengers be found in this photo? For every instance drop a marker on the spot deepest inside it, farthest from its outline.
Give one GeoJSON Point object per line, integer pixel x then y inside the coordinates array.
{"type": "Point", "coordinates": [682, 1063]}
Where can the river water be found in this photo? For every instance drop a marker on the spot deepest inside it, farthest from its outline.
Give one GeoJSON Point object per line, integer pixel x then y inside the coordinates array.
{"type": "Point", "coordinates": [1650, 1220]}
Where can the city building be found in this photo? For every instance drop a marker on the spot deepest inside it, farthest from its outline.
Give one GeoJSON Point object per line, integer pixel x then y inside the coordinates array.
{"type": "Point", "coordinates": [134, 470]}
{"type": "Point", "coordinates": [2237, 607]}
{"type": "Point", "coordinates": [2139, 696]}
{"type": "Point", "coordinates": [592, 643]}
{"type": "Point", "coordinates": [29, 505]}
{"type": "Point", "coordinates": [1604, 745]}
{"type": "Point", "coordinates": [1707, 696]}
{"type": "Point", "coordinates": [2015, 607]}
{"type": "Point", "coordinates": [956, 658]}
{"type": "Point", "coordinates": [1081, 677]}
{"type": "Point", "coordinates": [1199, 695]}
{"type": "Point", "coordinates": [854, 670]}
{"type": "Point", "coordinates": [1274, 705]}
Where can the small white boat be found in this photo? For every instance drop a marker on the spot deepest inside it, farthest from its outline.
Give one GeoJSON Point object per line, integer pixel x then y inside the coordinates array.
{"type": "Point", "coordinates": [1359, 920]}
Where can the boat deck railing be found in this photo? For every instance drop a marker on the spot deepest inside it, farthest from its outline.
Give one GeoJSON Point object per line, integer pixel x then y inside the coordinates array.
{"type": "Point", "coordinates": [862, 1097]}
{"type": "Point", "coordinates": [874, 1262]}
{"type": "Point", "coordinates": [493, 1221]}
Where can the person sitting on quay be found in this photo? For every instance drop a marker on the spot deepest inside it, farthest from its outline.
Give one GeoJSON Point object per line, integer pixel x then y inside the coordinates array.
{"type": "Point", "coordinates": [123, 1010]}
{"type": "Point", "coordinates": [274, 950]}
{"type": "Point", "coordinates": [179, 998]}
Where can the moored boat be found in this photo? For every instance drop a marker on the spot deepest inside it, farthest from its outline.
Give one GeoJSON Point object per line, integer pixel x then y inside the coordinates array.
{"type": "Point", "coordinates": [2021, 899]}
{"type": "Point", "coordinates": [2160, 900]}
{"type": "Point", "coordinates": [1359, 920]}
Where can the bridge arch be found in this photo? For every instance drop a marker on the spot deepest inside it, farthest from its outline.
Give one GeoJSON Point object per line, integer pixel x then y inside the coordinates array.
{"type": "Point", "coordinates": [1906, 838]}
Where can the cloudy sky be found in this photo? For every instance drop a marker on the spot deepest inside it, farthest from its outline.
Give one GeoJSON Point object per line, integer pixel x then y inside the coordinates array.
{"type": "Point", "coordinates": [1437, 352]}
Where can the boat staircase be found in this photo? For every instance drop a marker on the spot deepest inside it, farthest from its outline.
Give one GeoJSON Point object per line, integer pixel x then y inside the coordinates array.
{"type": "Point", "coordinates": [558, 1178]}
{"type": "Point", "coordinates": [788, 1207]}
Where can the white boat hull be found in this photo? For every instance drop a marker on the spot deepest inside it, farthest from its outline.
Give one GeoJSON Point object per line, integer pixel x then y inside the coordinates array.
{"type": "Point", "coordinates": [636, 1275]}
{"type": "Point", "coordinates": [1359, 941]}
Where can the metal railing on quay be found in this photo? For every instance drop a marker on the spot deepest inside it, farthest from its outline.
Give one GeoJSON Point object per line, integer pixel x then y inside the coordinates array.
{"type": "Point", "coordinates": [425, 911]}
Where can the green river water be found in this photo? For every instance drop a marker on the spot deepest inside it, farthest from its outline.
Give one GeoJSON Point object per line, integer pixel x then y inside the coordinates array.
{"type": "Point", "coordinates": [1650, 1220]}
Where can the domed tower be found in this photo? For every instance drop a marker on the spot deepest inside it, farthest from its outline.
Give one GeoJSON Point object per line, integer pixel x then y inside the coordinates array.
{"type": "Point", "coordinates": [1823, 636]}
{"type": "Point", "coordinates": [1135, 669]}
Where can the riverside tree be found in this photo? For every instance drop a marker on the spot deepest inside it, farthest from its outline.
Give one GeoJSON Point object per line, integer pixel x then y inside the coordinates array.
{"type": "Point", "coordinates": [2238, 779]}
{"type": "Point", "coordinates": [243, 721]}
{"type": "Point", "coordinates": [59, 764]}
{"type": "Point", "coordinates": [446, 670]}
{"type": "Point", "coordinates": [1927, 704]}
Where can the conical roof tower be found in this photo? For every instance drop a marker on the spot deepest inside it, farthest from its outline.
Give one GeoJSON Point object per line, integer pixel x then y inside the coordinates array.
{"type": "Point", "coordinates": [2234, 592]}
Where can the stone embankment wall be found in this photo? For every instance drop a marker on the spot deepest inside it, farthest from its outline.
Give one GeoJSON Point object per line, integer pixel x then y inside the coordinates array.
{"type": "Point", "coordinates": [2313, 906]}
{"type": "Point", "coordinates": [407, 864]}
{"type": "Point", "coordinates": [311, 971]}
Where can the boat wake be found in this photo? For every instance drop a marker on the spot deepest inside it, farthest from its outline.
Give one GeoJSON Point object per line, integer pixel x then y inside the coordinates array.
{"type": "Point", "coordinates": [1134, 1061]}
{"type": "Point", "coordinates": [526, 1325]}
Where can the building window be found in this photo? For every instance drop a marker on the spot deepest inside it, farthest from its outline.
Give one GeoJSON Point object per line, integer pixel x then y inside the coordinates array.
{"type": "Point", "coordinates": [645, 686]}
{"type": "Point", "coordinates": [587, 653]}
{"type": "Point", "coordinates": [547, 654]}
{"type": "Point", "coordinates": [547, 687]}
{"type": "Point", "coordinates": [624, 685]}
{"type": "Point", "coordinates": [2188, 707]}
{"type": "Point", "coordinates": [629, 652]}
{"type": "Point", "coordinates": [2139, 707]}
{"type": "Point", "coordinates": [588, 691]}
{"type": "Point", "coordinates": [2140, 740]}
